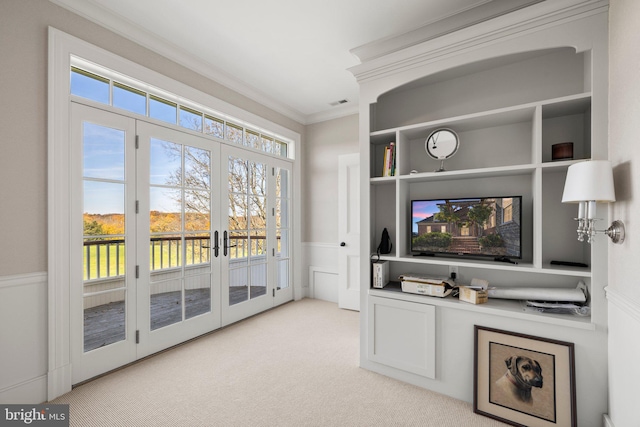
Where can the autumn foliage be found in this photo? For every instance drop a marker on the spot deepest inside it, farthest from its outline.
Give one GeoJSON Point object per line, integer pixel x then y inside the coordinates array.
{"type": "Point", "coordinates": [160, 222]}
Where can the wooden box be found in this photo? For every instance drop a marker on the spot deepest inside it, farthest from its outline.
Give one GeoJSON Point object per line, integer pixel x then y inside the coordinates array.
{"type": "Point", "coordinates": [474, 296]}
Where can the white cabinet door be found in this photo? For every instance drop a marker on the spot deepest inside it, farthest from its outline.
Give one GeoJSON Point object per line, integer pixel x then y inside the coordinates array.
{"type": "Point", "coordinates": [403, 335]}
{"type": "Point", "coordinates": [349, 231]}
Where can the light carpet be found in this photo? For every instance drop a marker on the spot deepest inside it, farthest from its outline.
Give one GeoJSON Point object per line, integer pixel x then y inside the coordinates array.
{"type": "Point", "coordinates": [296, 365]}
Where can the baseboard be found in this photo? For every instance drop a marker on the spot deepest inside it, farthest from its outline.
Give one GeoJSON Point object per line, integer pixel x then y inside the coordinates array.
{"type": "Point", "coordinates": [33, 391]}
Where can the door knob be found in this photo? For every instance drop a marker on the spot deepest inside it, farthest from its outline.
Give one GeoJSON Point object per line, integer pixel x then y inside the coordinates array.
{"type": "Point", "coordinates": [343, 244]}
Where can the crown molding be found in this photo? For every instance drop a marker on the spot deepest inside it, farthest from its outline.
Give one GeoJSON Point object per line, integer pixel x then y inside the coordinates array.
{"type": "Point", "coordinates": [131, 31]}
{"type": "Point", "coordinates": [505, 25]}
{"type": "Point", "coordinates": [485, 11]}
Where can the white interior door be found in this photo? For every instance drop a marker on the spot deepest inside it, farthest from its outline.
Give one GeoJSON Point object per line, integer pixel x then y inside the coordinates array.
{"type": "Point", "coordinates": [349, 231]}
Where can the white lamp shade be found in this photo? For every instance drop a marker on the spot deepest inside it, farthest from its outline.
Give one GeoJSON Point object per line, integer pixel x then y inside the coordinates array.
{"type": "Point", "coordinates": [590, 180]}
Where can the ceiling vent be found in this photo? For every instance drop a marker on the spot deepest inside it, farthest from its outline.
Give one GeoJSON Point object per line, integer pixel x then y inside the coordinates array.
{"type": "Point", "coordinates": [342, 101]}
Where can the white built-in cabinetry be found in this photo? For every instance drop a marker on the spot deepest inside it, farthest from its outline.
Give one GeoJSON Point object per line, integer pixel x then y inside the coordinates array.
{"type": "Point", "coordinates": [510, 88]}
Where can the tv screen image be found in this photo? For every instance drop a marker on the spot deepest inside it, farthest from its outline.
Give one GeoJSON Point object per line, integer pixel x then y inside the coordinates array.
{"type": "Point", "coordinates": [484, 227]}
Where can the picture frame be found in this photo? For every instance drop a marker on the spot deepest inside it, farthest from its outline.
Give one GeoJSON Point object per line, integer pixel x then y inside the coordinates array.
{"type": "Point", "coordinates": [524, 380]}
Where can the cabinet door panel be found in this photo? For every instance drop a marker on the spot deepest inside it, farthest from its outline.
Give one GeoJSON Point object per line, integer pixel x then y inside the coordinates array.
{"type": "Point", "coordinates": [402, 335]}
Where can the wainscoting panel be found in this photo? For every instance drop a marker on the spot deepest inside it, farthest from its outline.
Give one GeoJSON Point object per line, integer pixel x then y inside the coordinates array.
{"type": "Point", "coordinates": [324, 284]}
{"type": "Point", "coordinates": [321, 262]}
{"type": "Point", "coordinates": [624, 369]}
{"type": "Point", "coordinates": [23, 337]}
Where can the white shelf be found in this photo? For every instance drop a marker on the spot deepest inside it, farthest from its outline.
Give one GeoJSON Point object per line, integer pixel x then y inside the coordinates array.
{"type": "Point", "coordinates": [498, 307]}
{"type": "Point", "coordinates": [491, 265]}
{"type": "Point", "coordinates": [554, 107]}
{"type": "Point", "coordinates": [492, 172]}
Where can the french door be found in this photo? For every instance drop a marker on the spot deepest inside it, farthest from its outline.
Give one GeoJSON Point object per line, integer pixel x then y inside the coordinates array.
{"type": "Point", "coordinates": [102, 260]}
{"type": "Point", "coordinates": [178, 285]}
{"type": "Point", "coordinates": [256, 239]}
{"type": "Point", "coordinates": [181, 234]}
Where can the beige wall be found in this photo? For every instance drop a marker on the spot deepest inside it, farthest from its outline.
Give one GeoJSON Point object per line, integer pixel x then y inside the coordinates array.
{"type": "Point", "coordinates": [325, 142]}
{"type": "Point", "coordinates": [23, 118]}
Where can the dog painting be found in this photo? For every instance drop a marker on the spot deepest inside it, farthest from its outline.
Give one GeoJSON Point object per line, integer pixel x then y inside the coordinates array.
{"type": "Point", "coordinates": [523, 373]}
{"type": "Point", "coordinates": [522, 380]}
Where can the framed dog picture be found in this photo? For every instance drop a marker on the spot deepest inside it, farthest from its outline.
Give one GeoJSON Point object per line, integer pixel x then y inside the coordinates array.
{"type": "Point", "coordinates": [524, 380]}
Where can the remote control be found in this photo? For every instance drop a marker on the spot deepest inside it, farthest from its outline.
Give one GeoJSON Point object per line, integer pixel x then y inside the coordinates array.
{"type": "Point", "coordinates": [569, 263]}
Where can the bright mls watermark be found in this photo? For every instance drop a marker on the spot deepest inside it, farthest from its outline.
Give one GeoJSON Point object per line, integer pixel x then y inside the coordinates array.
{"type": "Point", "coordinates": [34, 415]}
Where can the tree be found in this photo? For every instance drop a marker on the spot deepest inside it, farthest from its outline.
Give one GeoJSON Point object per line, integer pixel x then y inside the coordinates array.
{"type": "Point", "coordinates": [449, 214]}
{"type": "Point", "coordinates": [247, 183]}
{"type": "Point", "coordinates": [93, 228]}
{"type": "Point", "coordinates": [479, 214]}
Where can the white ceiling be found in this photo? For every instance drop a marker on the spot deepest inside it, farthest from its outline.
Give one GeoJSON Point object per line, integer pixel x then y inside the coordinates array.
{"type": "Point", "coordinates": [291, 55]}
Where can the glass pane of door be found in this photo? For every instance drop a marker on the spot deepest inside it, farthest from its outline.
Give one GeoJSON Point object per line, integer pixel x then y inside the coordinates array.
{"type": "Point", "coordinates": [283, 228]}
{"type": "Point", "coordinates": [104, 243]}
{"type": "Point", "coordinates": [180, 232]}
{"type": "Point", "coordinates": [246, 242]}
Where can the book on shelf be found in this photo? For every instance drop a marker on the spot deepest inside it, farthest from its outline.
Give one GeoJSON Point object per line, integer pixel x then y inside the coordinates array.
{"type": "Point", "coordinates": [389, 166]}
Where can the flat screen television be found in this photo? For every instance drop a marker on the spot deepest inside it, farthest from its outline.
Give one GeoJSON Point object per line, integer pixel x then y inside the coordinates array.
{"type": "Point", "coordinates": [468, 227]}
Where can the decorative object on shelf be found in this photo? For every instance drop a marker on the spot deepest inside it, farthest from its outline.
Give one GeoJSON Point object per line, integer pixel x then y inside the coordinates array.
{"type": "Point", "coordinates": [380, 274]}
{"type": "Point", "coordinates": [385, 245]}
{"type": "Point", "coordinates": [524, 380]}
{"type": "Point", "coordinates": [589, 182]}
{"type": "Point", "coordinates": [562, 151]}
{"type": "Point", "coordinates": [442, 144]}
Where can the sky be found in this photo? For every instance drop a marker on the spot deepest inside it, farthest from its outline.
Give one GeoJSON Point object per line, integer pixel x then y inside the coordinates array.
{"type": "Point", "coordinates": [423, 209]}
{"type": "Point", "coordinates": [104, 165]}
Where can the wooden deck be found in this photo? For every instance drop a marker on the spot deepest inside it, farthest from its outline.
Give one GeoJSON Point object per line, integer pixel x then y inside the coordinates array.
{"type": "Point", "coordinates": [105, 324]}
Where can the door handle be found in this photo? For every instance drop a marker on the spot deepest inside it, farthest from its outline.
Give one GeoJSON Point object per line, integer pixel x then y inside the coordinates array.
{"type": "Point", "coordinates": [343, 244]}
{"type": "Point", "coordinates": [216, 248]}
{"type": "Point", "coordinates": [225, 243]}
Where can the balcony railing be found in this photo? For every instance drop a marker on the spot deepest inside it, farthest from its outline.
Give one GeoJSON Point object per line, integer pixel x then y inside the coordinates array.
{"type": "Point", "coordinates": [106, 258]}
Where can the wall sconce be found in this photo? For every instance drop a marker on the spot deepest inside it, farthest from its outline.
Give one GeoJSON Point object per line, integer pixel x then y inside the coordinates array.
{"type": "Point", "coordinates": [587, 183]}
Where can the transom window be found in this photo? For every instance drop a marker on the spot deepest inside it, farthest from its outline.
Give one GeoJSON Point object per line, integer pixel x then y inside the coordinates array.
{"type": "Point", "coordinates": [120, 95]}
